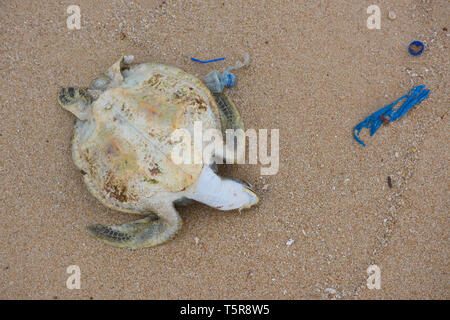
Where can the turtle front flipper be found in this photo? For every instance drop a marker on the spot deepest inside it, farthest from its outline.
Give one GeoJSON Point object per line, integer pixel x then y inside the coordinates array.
{"type": "Point", "coordinates": [143, 233]}
{"type": "Point", "coordinates": [229, 114]}
{"type": "Point", "coordinates": [76, 100]}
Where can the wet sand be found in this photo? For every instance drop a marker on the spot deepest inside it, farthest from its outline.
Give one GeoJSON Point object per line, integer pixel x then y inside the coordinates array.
{"type": "Point", "coordinates": [316, 71]}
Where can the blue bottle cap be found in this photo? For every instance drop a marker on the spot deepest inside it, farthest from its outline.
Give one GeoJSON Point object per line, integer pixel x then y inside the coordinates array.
{"type": "Point", "coordinates": [416, 48]}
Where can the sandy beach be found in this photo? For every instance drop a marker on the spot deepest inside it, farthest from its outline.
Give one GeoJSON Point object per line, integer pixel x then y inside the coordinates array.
{"type": "Point", "coordinates": [328, 214]}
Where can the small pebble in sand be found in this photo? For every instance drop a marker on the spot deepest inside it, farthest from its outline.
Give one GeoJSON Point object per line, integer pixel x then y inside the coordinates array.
{"type": "Point", "coordinates": [413, 149]}
{"type": "Point", "coordinates": [392, 15]}
{"type": "Point", "coordinates": [384, 119]}
{"type": "Point", "coordinates": [397, 155]}
{"type": "Point", "coordinates": [264, 188]}
{"type": "Point", "coordinates": [330, 291]}
{"type": "Point", "coordinates": [196, 239]}
{"type": "Point", "coordinates": [290, 242]}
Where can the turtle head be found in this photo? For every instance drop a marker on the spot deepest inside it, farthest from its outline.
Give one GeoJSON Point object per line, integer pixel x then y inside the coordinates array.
{"type": "Point", "coordinates": [241, 194]}
{"type": "Point", "coordinates": [76, 100]}
{"type": "Point", "coordinates": [224, 193]}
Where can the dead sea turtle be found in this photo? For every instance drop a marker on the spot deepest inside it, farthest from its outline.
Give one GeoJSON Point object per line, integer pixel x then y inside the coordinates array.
{"type": "Point", "coordinates": [123, 145]}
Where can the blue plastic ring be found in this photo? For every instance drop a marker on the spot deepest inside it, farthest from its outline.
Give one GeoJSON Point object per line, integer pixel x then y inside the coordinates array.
{"type": "Point", "coordinates": [418, 44]}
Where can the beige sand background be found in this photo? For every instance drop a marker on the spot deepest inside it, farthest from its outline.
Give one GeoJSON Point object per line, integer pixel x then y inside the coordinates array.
{"type": "Point", "coordinates": [316, 71]}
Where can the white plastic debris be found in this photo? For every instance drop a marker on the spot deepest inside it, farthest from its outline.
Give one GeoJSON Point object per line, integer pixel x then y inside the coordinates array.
{"type": "Point", "coordinates": [128, 59]}
{"type": "Point", "coordinates": [330, 291]}
{"type": "Point", "coordinates": [392, 15]}
{"type": "Point", "coordinates": [290, 242]}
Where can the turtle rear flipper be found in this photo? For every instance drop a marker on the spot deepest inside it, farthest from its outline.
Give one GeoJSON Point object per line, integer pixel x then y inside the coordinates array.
{"type": "Point", "coordinates": [76, 100]}
{"type": "Point", "coordinates": [231, 120]}
{"type": "Point", "coordinates": [113, 77]}
{"type": "Point", "coordinates": [143, 233]}
{"type": "Point", "coordinates": [229, 114]}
